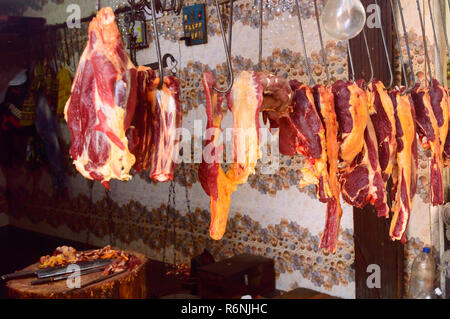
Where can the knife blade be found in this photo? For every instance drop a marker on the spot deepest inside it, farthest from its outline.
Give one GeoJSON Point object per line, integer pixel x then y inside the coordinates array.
{"type": "Point", "coordinates": [50, 272]}
{"type": "Point", "coordinates": [65, 276]}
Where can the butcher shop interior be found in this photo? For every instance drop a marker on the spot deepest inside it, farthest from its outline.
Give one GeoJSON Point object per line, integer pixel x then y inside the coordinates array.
{"type": "Point", "coordinates": [224, 149]}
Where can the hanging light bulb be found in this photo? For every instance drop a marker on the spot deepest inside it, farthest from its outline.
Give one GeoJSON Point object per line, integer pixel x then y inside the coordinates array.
{"type": "Point", "coordinates": [343, 19]}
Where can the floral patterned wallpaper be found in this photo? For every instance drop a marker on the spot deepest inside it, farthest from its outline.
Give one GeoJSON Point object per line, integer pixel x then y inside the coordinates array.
{"type": "Point", "coordinates": [270, 215]}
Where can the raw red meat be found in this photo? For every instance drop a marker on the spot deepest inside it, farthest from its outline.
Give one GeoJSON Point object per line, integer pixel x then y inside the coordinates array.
{"type": "Point", "coordinates": [405, 171]}
{"type": "Point", "coordinates": [381, 111]}
{"type": "Point", "coordinates": [351, 109]}
{"type": "Point", "coordinates": [165, 121]}
{"type": "Point", "coordinates": [432, 134]}
{"type": "Point", "coordinates": [324, 103]}
{"type": "Point", "coordinates": [142, 132]}
{"type": "Point", "coordinates": [244, 101]}
{"type": "Point", "coordinates": [102, 104]}
{"type": "Point", "coordinates": [311, 140]}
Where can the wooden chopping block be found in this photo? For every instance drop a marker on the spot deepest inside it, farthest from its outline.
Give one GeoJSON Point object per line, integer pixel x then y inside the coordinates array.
{"type": "Point", "coordinates": [127, 285]}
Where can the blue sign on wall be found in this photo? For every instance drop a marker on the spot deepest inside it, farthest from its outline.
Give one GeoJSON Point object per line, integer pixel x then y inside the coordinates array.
{"type": "Point", "coordinates": [194, 24]}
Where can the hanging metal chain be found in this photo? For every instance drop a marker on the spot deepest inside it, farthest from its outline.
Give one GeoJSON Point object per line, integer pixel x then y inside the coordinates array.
{"type": "Point", "coordinates": [188, 203]}
{"type": "Point", "coordinates": [170, 208]}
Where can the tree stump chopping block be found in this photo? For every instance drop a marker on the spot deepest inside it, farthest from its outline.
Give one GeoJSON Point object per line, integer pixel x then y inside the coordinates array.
{"type": "Point", "coordinates": [127, 285]}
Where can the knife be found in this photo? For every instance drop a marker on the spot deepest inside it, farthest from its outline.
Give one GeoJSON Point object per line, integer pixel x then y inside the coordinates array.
{"type": "Point", "coordinates": [51, 272]}
{"type": "Point", "coordinates": [65, 276]}
{"type": "Point", "coordinates": [95, 281]}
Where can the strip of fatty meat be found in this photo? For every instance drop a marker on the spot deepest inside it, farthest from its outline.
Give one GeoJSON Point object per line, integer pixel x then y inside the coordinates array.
{"type": "Point", "coordinates": [350, 102]}
{"type": "Point", "coordinates": [431, 135]}
{"type": "Point", "coordinates": [360, 173]}
{"type": "Point", "coordinates": [324, 103]}
{"type": "Point", "coordinates": [405, 172]}
{"type": "Point", "coordinates": [381, 111]}
{"type": "Point", "coordinates": [101, 107]}
{"type": "Point", "coordinates": [211, 175]}
{"type": "Point", "coordinates": [311, 140]}
{"type": "Point", "coordinates": [245, 101]}
{"type": "Point", "coordinates": [142, 132]}
{"type": "Point", "coordinates": [166, 119]}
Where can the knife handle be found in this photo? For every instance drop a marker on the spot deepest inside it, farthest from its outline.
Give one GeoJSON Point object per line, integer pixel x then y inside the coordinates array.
{"type": "Point", "coordinates": [18, 274]}
{"type": "Point", "coordinates": [42, 281]}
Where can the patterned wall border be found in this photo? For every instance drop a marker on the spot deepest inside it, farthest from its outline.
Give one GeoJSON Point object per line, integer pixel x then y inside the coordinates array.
{"type": "Point", "coordinates": [293, 248]}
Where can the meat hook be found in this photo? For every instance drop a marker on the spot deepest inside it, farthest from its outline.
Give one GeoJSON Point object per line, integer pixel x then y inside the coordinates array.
{"type": "Point", "coordinates": [227, 52]}
{"type": "Point", "coordinates": [399, 45]}
{"type": "Point", "coordinates": [405, 35]}
{"type": "Point", "coordinates": [324, 53]}
{"type": "Point", "coordinates": [230, 26]}
{"type": "Point", "coordinates": [436, 42]}
{"type": "Point", "coordinates": [388, 60]}
{"type": "Point", "coordinates": [260, 34]}
{"type": "Point", "coordinates": [308, 69]}
{"type": "Point", "coordinates": [350, 58]}
{"type": "Point", "coordinates": [419, 10]}
{"type": "Point", "coordinates": [368, 55]}
{"type": "Point", "coordinates": [442, 9]}
{"type": "Point", "coordinates": [158, 48]}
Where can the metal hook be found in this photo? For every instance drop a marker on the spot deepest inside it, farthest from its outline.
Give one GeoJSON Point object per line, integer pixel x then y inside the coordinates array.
{"type": "Point", "coordinates": [405, 76]}
{"type": "Point", "coordinates": [436, 42]}
{"type": "Point", "coordinates": [158, 48]}
{"type": "Point", "coordinates": [227, 52]}
{"type": "Point", "coordinates": [391, 74]}
{"type": "Point", "coordinates": [308, 69]}
{"type": "Point", "coordinates": [230, 26]}
{"type": "Point", "coordinates": [350, 58]}
{"type": "Point", "coordinates": [260, 34]}
{"type": "Point", "coordinates": [442, 9]}
{"type": "Point", "coordinates": [324, 53]}
{"type": "Point", "coordinates": [98, 5]}
{"type": "Point", "coordinates": [424, 43]}
{"type": "Point", "coordinates": [408, 50]}
{"type": "Point", "coordinates": [368, 55]}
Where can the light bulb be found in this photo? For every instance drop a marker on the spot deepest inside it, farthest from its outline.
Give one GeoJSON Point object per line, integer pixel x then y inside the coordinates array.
{"type": "Point", "coordinates": [343, 19]}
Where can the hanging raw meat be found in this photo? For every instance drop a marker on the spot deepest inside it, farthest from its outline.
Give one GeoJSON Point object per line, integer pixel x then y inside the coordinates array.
{"type": "Point", "coordinates": [360, 172]}
{"type": "Point", "coordinates": [142, 133]}
{"type": "Point", "coordinates": [431, 133]}
{"type": "Point", "coordinates": [211, 175]}
{"type": "Point", "coordinates": [166, 119]}
{"type": "Point", "coordinates": [405, 171]}
{"type": "Point", "coordinates": [102, 104]}
{"type": "Point", "coordinates": [244, 101]}
{"type": "Point", "coordinates": [362, 182]}
{"type": "Point", "coordinates": [351, 109]}
{"type": "Point", "coordinates": [324, 103]}
{"type": "Point", "coordinates": [381, 111]}
{"type": "Point", "coordinates": [311, 140]}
